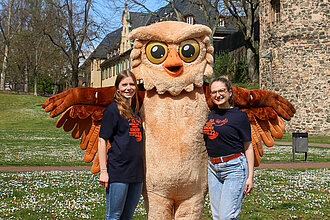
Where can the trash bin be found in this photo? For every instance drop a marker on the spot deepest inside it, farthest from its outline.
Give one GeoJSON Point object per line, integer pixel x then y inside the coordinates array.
{"type": "Point", "coordinates": [299, 144]}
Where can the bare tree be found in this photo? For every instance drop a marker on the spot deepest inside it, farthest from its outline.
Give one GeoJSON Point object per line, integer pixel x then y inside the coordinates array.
{"type": "Point", "coordinates": [43, 41]}
{"type": "Point", "coordinates": [31, 57]}
{"type": "Point", "coordinates": [73, 20]}
{"type": "Point", "coordinates": [245, 13]}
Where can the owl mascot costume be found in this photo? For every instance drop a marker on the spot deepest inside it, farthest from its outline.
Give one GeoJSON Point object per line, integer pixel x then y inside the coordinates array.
{"type": "Point", "coordinates": [171, 59]}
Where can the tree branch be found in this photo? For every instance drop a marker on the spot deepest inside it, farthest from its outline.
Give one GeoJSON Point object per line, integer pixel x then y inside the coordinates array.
{"type": "Point", "coordinates": [59, 46]}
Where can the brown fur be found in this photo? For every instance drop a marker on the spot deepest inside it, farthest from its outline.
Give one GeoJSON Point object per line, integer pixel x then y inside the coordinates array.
{"type": "Point", "coordinates": [174, 112]}
{"type": "Point", "coordinates": [176, 160]}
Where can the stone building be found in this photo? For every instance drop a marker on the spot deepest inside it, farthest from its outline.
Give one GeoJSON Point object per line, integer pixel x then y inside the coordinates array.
{"type": "Point", "coordinates": [294, 41]}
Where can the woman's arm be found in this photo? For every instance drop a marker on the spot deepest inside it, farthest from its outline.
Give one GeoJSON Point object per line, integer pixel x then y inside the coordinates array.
{"type": "Point", "coordinates": [102, 152]}
{"type": "Point", "coordinates": [249, 154]}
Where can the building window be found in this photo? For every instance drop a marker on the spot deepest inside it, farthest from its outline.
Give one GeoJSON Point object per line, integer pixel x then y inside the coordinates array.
{"type": "Point", "coordinates": [97, 64]}
{"type": "Point", "coordinates": [275, 11]}
{"type": "Point", "coordinates": [221, 22]}
{"type": "Point", "coordinates": [190, 19]}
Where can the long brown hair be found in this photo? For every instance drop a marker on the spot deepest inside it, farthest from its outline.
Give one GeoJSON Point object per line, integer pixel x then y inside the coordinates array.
{"type": "Point", "coordinates": [228, 86]}
{"type": "Point", "coordinates": [123, 103]}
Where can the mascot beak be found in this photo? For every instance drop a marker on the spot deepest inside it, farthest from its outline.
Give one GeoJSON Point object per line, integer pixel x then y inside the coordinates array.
{"type": "Point", "coordinates": [173, 64]}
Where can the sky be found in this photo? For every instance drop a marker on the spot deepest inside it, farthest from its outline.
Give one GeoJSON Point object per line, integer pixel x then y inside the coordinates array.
{"type": "Point", "coordinates": [110, 11]}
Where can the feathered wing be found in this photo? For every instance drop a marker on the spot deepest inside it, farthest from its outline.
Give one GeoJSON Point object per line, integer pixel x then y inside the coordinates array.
{"type": "Point", "coordinates": [265, 110]}
{"type": "Point", "coordinates": [265, 124]}
{"type": "Point", "coordinates": [84, 121]}
{"type": "Point", "coordinates": [82, 114]}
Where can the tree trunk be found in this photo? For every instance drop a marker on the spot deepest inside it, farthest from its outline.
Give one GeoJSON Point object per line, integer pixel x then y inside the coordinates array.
{"type": "Point", "coordinates": [74, 78]}
{"type": "Point", "coordinates": [4, 67]}
{"type": "Point", "coordinates": [251, 62]}
{"type": "Point", "coordinates": [55, 88]}
{"type": "Point", "coordinates": [35, 93]}
{"type": "Point", "coordinates": [26, 79]}
{"type": "Point", "coordinates": [250, 44]}
{"type": "Point", "coordinates": [5, 57]}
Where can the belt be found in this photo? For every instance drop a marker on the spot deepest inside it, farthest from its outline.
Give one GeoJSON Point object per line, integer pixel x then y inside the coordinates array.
{"type": "Point", "coordinates": [225, 158]}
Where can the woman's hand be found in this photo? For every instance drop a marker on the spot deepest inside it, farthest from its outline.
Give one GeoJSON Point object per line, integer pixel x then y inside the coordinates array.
{"type": "Point", "coordinates": [104, 178]}
{"type": "Point", "coordinates": [249, 154]}
{"type": "Point", "coordinates": [102, 153]}
{"type": "Point", "coordinates": [248, 185]}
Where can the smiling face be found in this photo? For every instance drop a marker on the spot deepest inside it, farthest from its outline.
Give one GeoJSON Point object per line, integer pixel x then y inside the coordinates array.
{"type": "Point", "coordinates": [127, 87]}
{"type": "Point", "coordinates": [220, 94]}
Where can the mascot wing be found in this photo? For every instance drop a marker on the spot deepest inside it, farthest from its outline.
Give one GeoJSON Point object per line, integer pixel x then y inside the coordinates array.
{"type": "Point", "coordinates": [84, 121]}
{"type": "Point", "coordinates": [263, 120]}
{"type": "Point", "coordinates": [265, 110]}
{"type": "Point", "coordinates": [80, 95]}
{"type": "Point", "coordinates": [82, 109]}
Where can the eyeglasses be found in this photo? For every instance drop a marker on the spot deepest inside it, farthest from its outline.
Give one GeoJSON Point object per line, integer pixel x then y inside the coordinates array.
{"type": "Point", "coordinates": [220, 91]}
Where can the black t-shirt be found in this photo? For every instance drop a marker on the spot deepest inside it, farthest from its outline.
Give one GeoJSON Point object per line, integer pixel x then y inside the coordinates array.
{"type": "Point", "coordinates": [125, 157]}
{"type": "Point", "coordinates": [225, 131]}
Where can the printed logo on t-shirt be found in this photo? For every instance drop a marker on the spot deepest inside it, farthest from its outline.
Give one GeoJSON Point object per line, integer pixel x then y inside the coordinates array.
{"type": "Point", "coordinates": [209, 127]}
{"type": "Point", "coordinates": [135, 128]}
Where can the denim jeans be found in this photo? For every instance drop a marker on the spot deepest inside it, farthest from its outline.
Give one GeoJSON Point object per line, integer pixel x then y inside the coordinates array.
{"type": "Point", "coordinates": [226, 187]}
{"type": "Point", "coordinates": [122, 199]}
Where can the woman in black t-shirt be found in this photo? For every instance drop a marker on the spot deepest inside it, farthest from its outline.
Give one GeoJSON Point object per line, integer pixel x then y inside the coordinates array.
{"type": "Point", "coordinates": [227, 134]}
{"type": "Point", "coordinates": [122, 173]}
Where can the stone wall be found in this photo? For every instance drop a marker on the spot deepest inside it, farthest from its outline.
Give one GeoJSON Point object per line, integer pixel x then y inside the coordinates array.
{"type": "Point", "coordinates": [300, 49]}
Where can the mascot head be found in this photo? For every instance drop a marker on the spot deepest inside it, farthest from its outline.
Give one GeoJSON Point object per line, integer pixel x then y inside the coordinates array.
{"type": "Point", "coordinates": [171, 56]}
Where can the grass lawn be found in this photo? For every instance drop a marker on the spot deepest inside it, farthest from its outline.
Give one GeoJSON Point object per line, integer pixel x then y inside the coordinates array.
{"type": "Point", "coordinates": [39, 148]}
{"type": "Point", "coordinates": [28, 136]}
{"type": "Point", "coordinates": [311, 139]}
{"type": "Point", "coordinates": [24, 112]}
{"type": "Point", "coordinates": [278, 194]}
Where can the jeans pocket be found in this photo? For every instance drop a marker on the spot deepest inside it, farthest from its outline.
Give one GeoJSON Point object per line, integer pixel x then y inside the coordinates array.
{"type": "Point", "coordinates": [234, 162]}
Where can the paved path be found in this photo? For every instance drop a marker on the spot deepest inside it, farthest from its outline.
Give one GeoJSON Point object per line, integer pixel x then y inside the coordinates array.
{"type": "Point", "coordinates": [265, 165]}
{"type": "Point", "coordinates": [309, 144]}
{"type": "Point", "coordinates": [42, 168]}
{"type": "Point", "coordinates": [293, 165]}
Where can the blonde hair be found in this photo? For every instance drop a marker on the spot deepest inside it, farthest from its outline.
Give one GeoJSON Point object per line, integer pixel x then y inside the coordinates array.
{"type": "Point", "coordinates": [123, 103]}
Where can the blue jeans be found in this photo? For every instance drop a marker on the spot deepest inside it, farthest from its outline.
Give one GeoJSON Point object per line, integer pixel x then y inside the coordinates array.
{"type": "Point", "coordinates": [122, 199]}
{"type": "Point", "coordinates": [226, 187]}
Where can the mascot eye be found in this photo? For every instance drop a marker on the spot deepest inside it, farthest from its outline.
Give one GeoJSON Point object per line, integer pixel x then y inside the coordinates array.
{"type": "Point", "coordinates": [156, 52]}
{"type": "Point", "coordinates": [189, 50]}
